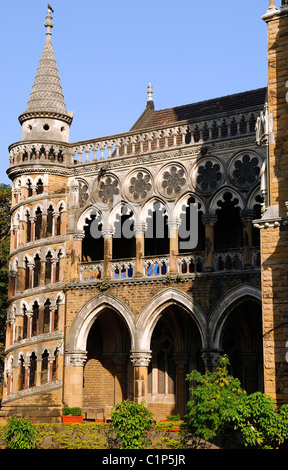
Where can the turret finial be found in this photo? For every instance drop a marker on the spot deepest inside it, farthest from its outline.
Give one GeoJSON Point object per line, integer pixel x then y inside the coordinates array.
{"type": "Point", "coordinates": [150, 92]}
{"type": "Point", "coordinates": [49, 25]}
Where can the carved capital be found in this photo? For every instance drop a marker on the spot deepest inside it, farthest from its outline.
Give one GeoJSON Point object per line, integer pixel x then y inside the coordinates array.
{"type": "Point", "coordinates": [209, 219]}
{"type": "Point", "coordinates": [140, 358]}
{"type": "Point", "coordinates": [76, 359]}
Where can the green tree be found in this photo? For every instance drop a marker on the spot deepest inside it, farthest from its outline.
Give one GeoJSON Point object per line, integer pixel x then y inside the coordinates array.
{"type": "Point", "coordinates": [131, 422]}
{"type": "Point", "coordinates": [5, 206]}
{"type": "Point", "coordinates": [260, 423]}
{"type": "Point", "coordinates": [212, 394]}
{"type": "Point", "coordinates": [20, 433]}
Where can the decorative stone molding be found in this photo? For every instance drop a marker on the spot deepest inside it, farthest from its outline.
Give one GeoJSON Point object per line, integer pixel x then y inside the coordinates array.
{"type": "Point", "coordinates": [140, 358]}
{"type": "Point", "coordinates": [172, 180]}
{"type": "Point", "coordinates": [139, 186]}
{"type": "Point", "coordinates": [208, 175]}
{"type": "Point", "coordinates": [77, 359]}
{"type": "Point", "coordinates": [244, 170]}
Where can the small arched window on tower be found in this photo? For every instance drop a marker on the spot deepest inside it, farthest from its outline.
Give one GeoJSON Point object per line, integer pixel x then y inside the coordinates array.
{"type": "Point", "coordinates": [29, 187]}
{"type": "Point", "coordinates": [58, 221]}
{"type": "Point", "coordinates": [55, 365]}
{"type": "Point", "coordinates": [25, 323]}
{"type": "Point", "coordinates": [46, 320]}
{"type": "Point", "coordinates": [37, 271]}
{"type": "Point", "coordinates": [48, 268]}
{"type": "Point", "coordinates": [27, 273]}
{"type": "Point", "coordinates": [57, 267]}
{"type": "Point", "coordinates": [49, 224]}
{"type": "Point", "coordinates": [55, 325]}
{"type": "Point", "coordinates": [28, 227]}
{"type": "Point", "coordinates": [39, 187]}
{"type": "Point", "coordinates": [38, 224]}
{"type": "Point", "coordinates": [35, 319]}
{"type": "Point", "coordinates": [44, 367]}
{"type": "Point", "coordinates": [32, 370]}
{"type": "Point", "coordinates": [21, 381]}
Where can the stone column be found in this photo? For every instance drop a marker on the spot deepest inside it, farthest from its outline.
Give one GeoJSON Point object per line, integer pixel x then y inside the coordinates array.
{"type": "Point", "coordinates": [16, 377]}
{"type": "Point", "coordinates": [74, 378]}
{"type": "Point", "coordinates": [173, 226]}
{"type": "Point", "coordinates": [247, 217]}
{"type": "Point", "coordinates": [76, 253]}
{"type": "Point", "coordinates": [107, 235]}
{"type": "Point", "coordinates": [140, 361]}
{"type": "Point", "coordinates": [139, 230]}
{"type": "Point", "coordinates": [209, 222]}
{"type": "Point", "coordinates": [38, 371]}
{"type": "Point", "coordinates": [32, 228]}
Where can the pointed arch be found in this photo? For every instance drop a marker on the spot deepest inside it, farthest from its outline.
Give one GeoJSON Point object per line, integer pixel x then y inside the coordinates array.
{"type": "Point", "coordinates": [151, 312]}
{"type": "Point", "coordinates": [78, 333]}
{"type": "Point", "coordinates": [228, 302]}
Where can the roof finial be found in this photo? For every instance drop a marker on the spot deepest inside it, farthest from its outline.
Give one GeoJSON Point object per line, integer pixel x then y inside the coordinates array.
{"type": "Point", "coordinates": [49, 25]}
{"type": "Point", "coordinates": [150, 91]}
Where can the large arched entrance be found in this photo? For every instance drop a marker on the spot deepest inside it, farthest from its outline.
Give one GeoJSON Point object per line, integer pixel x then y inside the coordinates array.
{"type": "Point", "coordinates": [242, 342]}
{"type": "Point", "coordinates": [236, 329]}
{"type": "Point", "coordinates": [99, 372]}
{"type": "Point", "coordinates": [176, 350]}
{"type": "Point", "coordinates": [107, 375]}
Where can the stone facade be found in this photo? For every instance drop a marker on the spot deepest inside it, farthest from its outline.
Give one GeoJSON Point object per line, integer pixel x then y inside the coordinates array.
{"type": "Point", "coordinates": [135, 258]}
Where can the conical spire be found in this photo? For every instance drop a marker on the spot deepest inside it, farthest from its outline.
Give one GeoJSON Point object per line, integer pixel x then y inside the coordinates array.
{"type": "Point", "coordinates": [46, 98]}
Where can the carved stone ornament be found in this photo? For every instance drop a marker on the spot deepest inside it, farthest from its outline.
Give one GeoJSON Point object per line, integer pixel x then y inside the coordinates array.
{"type": "Point", "coordinates": [83, 193]}
{"type": "Point", "coordinates": [139, 186]}
{"type": "Point", "coordinates": [172, 181]}
{"type": "Point", "coordinates": [209, 176]}
{"type": "Point", "coordinates": [140, 358]}
{"type": "Point", "coordinates": [108, 188]}
{"type": "Point", "coordinates": [77, 360]}
{"type": "Point", "coordinates": [245, 171]}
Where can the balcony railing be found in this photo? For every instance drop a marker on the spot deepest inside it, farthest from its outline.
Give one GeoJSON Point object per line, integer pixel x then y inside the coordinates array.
{"type": "Point", "coordinates": [122, 269]}
{"type": "Point", "coordinates": [134, 143]}
{"type": "Point", "coordinates": [91, 271]}
{"type": "Point", "coordinates": [191, 264]}
{"type": "Point", "coordinates": [160, 265]}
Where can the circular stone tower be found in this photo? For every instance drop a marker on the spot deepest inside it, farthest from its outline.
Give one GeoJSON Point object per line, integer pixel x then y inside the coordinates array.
{"type": "Point", "coordinates": [36, 306]}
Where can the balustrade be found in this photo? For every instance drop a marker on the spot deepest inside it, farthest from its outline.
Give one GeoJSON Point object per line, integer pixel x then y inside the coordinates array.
{"type": "Point", "coordinates": [160, 266]}
{"type": "Point", "coordinates": [134, 143]}
{"type": "Point", "coordinates": [191, 264]}
{"type": "Point", "coordinates": [228, 260]}
{"type": "Point", "coordinates": [90, 271]}
{"type": "Point", "coordinates": [122, 269]}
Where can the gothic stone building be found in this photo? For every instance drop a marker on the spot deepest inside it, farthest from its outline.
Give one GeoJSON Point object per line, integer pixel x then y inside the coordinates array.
{"type": "Point", "coordinates": [98, 314]}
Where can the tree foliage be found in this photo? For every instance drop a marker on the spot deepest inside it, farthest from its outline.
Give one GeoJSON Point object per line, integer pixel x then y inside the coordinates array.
{"type": "Point", "coordinates": [260, 423]}
{"type": "Point", "coordinates": [211, 395]}
{"type": "Point", "coordinates": [20, 433]}
{"type": "Point", "coordinates": [220, 407]}
{"type": "Point", "coordinates": [131, 422]}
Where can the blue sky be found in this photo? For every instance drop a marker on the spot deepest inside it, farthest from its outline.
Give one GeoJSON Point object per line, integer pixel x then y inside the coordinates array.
{"type": "Point", "coordinates": [108, 52]}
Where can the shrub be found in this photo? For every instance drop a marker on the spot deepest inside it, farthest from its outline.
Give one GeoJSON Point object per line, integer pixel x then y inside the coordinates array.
{"type": "Point", "coordinates": [131, 423]}
{"type": "Point", "coordinates": [73, 411]}
{"type": "Point", "coordinates": [20, 433]}
{"type": "Point", "coordinates": [260, 424]}
{"type": "Point", "coordinates": [212, 394]}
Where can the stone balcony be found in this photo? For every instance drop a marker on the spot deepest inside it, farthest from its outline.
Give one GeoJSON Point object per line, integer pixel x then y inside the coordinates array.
{"type": "Point", "coordinates": [159, 266]}
{"type": "Point", "coordinates": [132, 143]}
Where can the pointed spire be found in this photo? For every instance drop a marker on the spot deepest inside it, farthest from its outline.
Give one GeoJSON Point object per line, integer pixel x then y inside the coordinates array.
{"type": "Point", "coordinates": [150, 101]}
{"type": "Point", "coordinates": [46, 98]}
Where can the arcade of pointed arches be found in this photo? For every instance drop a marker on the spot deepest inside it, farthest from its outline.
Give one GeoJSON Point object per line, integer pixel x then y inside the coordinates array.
{"type": "Point", "coordinates": [172, 335]}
